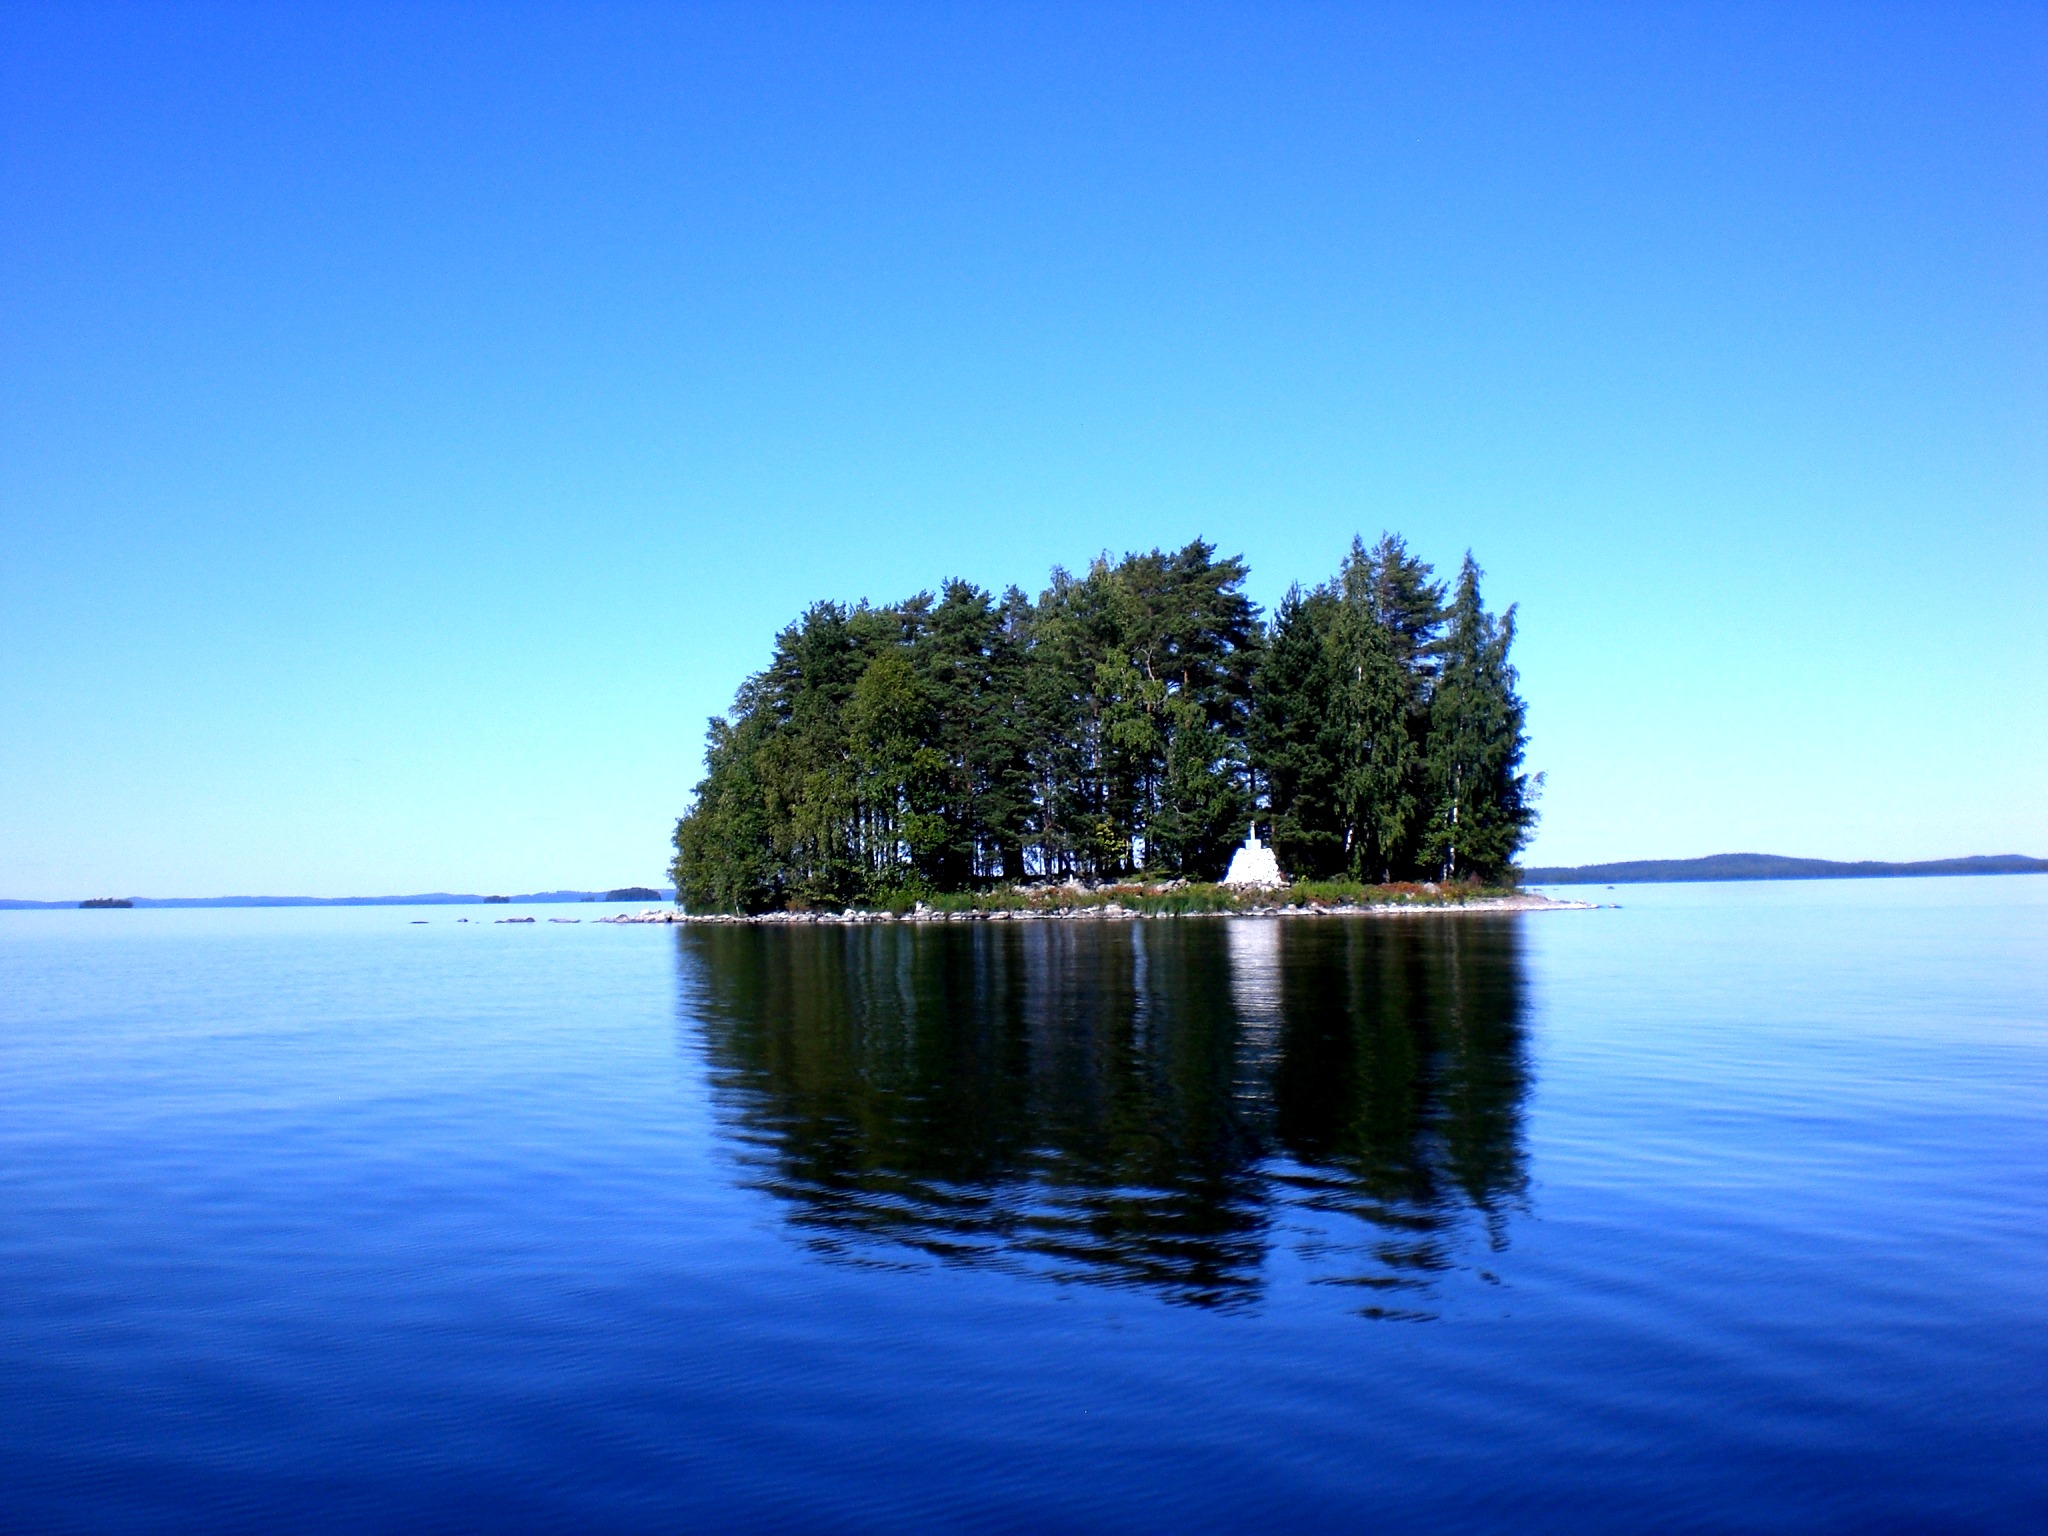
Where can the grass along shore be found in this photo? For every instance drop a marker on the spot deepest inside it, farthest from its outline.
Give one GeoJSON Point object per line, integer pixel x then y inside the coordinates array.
{"type": "Point", "coordinates": [1142, 899]}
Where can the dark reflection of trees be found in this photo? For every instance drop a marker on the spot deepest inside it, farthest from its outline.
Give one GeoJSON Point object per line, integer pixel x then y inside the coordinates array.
{"type": "Point", "coordinates": [1397, 1088]}
{"type": "Point", "coordinates": [1149, 1104]}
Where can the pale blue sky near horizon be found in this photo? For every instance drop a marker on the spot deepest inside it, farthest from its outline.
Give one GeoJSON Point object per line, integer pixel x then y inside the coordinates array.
{"type": "Point", "coordinates": [415, 421]}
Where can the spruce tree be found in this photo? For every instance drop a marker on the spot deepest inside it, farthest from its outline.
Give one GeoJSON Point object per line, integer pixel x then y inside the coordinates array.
{"type": "Point", "coordinates": [1481, 807]}
{"type": "Point", "coordinates": [1344, 716]}
{"type": "Point", "coordinates": [1297, 735]}
{"type": "Point", "coordinates": [1377, 783]}
{"type": "Point", "coordinates": [1409, 605]}
{"type": "Point", "coordinates": [725, 859]}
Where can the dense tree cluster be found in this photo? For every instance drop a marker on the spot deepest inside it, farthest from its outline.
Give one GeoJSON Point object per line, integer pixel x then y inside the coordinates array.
{"type": "Point", "coordinates": [1128, 722]}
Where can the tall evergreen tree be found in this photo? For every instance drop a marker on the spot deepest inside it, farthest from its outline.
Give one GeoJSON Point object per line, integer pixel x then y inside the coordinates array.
{"type": "Point", "coordinates": [1481, 806]}
{"type": "Point", "coordinates": [959, 664]}
{"type": "Point", "coordinates": [1298, 734]}
{"type": "Point", "coordinates": [1147, 665]}
{"type": "Point", "coordinates": [1397, 587]}
{"type": "Point", "coordinates": [1342, 726]}
{"type": "Point", "coordinates": [1376, 702]}
{"type": "Point", "coordinates": [1345, 707]}
{"type": "Point", "coordinates": [726, 848]}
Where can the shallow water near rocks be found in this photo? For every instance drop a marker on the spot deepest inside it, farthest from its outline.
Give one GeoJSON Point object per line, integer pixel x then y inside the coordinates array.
{"type": "Point", "coordinates": [1722, 1210]}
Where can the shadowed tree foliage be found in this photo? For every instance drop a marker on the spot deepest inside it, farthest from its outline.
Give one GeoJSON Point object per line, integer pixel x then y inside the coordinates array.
{"type": "Point", "coordinates": [1127, 723]}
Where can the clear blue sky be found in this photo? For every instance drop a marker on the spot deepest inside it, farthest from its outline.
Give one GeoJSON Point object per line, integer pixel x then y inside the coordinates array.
{"type": "Point", "coordinates": [415, 421]}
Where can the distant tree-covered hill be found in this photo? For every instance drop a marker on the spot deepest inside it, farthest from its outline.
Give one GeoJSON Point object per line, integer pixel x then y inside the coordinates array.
{"type": "Point", "coordinates": [1771, 866]}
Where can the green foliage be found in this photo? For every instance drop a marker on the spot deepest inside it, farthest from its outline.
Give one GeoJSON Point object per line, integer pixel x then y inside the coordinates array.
{"type": "Point", "coordinates": [1481, 803]}
{"type": "Point", "coordinates": [1298, 736]}
{"type": "Point", "coordinates": [1342, 716]}
{"type": "Point", "coordinates": [1122, 727]}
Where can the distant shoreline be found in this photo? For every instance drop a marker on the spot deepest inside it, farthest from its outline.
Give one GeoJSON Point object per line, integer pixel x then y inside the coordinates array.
{"type": "Point", "coordinates": [1719, 866]}
{"type": "Point", "coordinates": [1771, 866]}
{"type": "Point", "coordinates": [430, 899]}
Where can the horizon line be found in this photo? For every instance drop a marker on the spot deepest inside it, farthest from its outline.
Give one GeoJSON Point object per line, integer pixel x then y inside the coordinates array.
{"type": "Point", "coordinates": [1976, 863]}
{"type": "Point", "coordinates": [421, 898]}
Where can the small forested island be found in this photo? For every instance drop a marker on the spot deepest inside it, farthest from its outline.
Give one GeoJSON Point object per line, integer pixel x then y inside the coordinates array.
{"type": "Point", "coordinates": [108, 901]}
{"type": "Point", "coordinates": [1118, 734]}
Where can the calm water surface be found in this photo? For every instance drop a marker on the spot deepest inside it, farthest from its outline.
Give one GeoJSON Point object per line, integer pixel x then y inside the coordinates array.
{"type": "Point", "coordinates": [1725, 1210]}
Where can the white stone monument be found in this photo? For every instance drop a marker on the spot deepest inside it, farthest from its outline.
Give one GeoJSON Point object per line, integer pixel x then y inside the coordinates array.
{"type": "Point", "coordinates": [1254, 865]}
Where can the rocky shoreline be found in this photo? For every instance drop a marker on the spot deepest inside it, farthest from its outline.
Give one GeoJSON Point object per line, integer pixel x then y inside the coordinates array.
{"type": "Point", "coordinates": [1109, 912]}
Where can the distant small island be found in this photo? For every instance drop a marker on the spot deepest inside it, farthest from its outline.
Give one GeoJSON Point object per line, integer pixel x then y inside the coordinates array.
{"type": "Point", "coordinates": [1123, 728]}
{"type": "Point", "coordinates": [108, 901]}
{"type": "Point", "coordinates": [1770, 866]}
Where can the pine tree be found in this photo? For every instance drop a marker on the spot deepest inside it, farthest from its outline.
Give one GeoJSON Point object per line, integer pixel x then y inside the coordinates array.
{"type": "Point", "coordinates": [1404, 599]}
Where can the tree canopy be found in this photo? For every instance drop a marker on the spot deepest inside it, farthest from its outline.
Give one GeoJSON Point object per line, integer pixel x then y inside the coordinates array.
{"type": "Point", "coordinates": [1127, 723]}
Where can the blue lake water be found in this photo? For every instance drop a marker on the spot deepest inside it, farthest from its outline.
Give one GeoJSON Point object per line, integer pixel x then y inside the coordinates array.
{"type": "Point", "coordinates": [1723, 1210]}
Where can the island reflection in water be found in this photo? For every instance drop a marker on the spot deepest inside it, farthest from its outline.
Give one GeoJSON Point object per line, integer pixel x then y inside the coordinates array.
{"type": "Point", "coordinates": [1176, 1106]}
